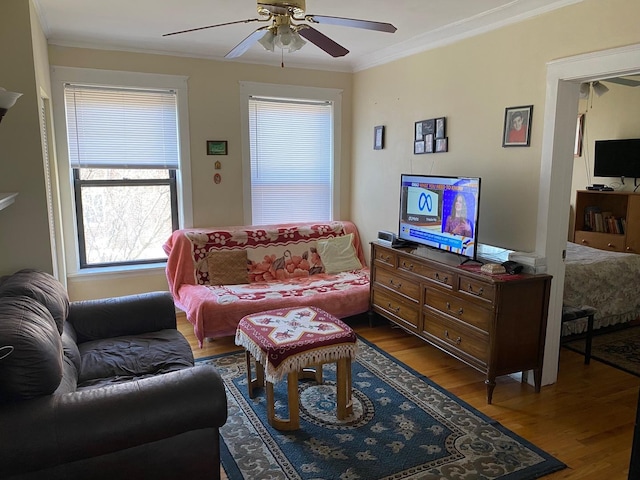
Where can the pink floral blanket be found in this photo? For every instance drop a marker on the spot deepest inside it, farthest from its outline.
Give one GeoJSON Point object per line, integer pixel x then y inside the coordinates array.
{"type": "Point", "coordinates": [284, 270]}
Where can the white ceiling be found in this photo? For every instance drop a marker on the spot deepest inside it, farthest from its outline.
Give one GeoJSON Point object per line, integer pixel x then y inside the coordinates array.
{"type": "Point", "coordinates": [138, 25]}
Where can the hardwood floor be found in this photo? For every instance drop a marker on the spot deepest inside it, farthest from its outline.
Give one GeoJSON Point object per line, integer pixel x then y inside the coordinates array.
{"type": "Point", "coordinates": [586, 419]}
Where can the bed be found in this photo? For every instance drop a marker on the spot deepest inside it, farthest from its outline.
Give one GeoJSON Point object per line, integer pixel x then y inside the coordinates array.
{"type": "Point", "coordinates": [607, 281]}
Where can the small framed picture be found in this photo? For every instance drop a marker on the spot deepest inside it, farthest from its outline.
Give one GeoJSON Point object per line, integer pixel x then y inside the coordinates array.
{"type": "Point", "coordinates": [429, 126]}
{"type": "Point", "coordinates": [442, 145]}
{"type": "Point", "coordinates": [440, 127]}
{"type": "Point", "coordinates": [517, 126]}
{"type": "Point", "coordinates": [577, 147]}
{"type": "Point", "coordinates": [418, 147]}
{"type": "Point", "coordinates": [378, 137]}
{"type": "Point", "coordinates": [216, 147]}
{"type": "Point", "coordinates": [428, 143]}
{"type": "Point", "coordinates": [419, 132]}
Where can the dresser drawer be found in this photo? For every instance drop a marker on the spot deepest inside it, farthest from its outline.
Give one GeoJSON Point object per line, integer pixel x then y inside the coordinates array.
{"type": "Point", "coordinates": [443, 277]}
{"type": "Point", "coordinates": [384, 257]}
{"type": "Point", "coordinates": [390, 280]}
{"type": "Point", "coordinates": [476, 289]}
{"type": "Point", "coordinates": [401, 311]}
{"type": "Point", "coordinates": [602, 241]}
{"type": "Point", "coordinates": [458, 308]}
{"type": "Point", "coordinates": [454, 336]}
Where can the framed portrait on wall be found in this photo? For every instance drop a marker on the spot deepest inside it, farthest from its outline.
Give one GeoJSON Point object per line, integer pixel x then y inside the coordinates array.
{"type": "Point", "coordinates": [440, 127]}
{"type": "Point", "coordinates": [517, 126]}
{"type": "Point", "coordinates": [577, 146]}
{"type": "Point", "coordinates": [378, 137]}
{"type": "Point", "coordinates": [428, 143]}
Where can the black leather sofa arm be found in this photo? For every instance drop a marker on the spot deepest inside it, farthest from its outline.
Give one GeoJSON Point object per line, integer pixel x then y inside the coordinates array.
{"type": "Point", "coordinates": [119, 316]}
{"type": "Point", "coordinates": [89, 423]}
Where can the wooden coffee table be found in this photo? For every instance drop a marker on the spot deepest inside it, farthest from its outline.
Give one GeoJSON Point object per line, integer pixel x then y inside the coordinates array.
{"type": "Point", "coordinates": [296, 342]}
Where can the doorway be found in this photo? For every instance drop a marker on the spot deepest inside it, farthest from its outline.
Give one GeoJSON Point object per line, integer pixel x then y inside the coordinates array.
{"type": "Point", "coordinates": [564, 77]}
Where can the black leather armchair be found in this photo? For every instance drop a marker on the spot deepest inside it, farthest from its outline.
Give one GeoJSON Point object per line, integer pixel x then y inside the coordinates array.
{"type": "Point", "coordinates": [102, 389]}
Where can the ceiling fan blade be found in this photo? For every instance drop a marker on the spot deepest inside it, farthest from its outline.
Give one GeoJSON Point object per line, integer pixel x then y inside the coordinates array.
{"type": "Point", "coordinates": [245, 44]}
{"type": "Point", "coordinates": [322, 41]}
{"type": "Point", "coordinates": [212, 26]}
{"type": "Point", "coordinates": [623, 81]}
{"type": "Point", "coordinates": [351, 22]}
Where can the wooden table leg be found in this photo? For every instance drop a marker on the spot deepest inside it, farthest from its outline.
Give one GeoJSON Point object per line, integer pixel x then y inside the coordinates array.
{"type": "Point", "coordinates": [293, 423]}
{"type": "Point", "coordinates": [344, 406]}
{"type": "Point", "coordinates": [257, 382]}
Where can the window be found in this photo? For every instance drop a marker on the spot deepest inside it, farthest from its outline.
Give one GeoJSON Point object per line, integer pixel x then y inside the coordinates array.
{"type": "Point", "coordinates": [291, 162]}
{"type": "Point", "coordinates": [124, 155]}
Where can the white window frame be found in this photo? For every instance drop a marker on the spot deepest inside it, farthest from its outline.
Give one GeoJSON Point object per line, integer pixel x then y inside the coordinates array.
{"type": "Point", "coordinates": [332, 95]}
{"type": "Point", "coordinates": [62, 75]}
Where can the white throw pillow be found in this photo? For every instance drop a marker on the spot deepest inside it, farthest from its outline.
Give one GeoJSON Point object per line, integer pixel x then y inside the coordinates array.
{"type": "Point", "coordinates": [338, 254]}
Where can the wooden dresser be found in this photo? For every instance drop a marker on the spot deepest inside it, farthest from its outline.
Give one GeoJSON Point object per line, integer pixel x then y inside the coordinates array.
{"type": "Point", "coordinates": [494, 323]}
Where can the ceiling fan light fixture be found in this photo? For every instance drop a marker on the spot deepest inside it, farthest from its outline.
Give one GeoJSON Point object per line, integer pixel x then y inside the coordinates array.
{"type": "Point", "coordinates": [268, 41]}
{"type": "Point", "coordinates": [584, 90]}
{"type": "Point", "coordinates": [297, 43]}
{"type": "Point", "coordinates": [284, 37]}
{"type": "Point", "coordinates": [599, 89]}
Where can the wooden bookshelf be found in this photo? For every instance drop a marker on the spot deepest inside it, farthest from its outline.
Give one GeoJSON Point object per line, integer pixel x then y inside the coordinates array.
{"type": "Point", "coordinates": [608, 220]}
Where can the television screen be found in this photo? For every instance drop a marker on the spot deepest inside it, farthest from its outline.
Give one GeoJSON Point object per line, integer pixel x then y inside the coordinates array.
{"type": "Point", "coordinates": [440, 212]}
{"type": "Point", "coordinates": [617, 158]}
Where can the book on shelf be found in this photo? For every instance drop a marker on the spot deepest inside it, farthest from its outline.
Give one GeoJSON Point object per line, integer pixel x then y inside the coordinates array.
{"type": "Point", "coordinates": [596, 220]}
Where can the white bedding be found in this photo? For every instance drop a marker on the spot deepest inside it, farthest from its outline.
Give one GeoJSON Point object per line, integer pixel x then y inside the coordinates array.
{"type": "Point", "coordinates": [607, 281]}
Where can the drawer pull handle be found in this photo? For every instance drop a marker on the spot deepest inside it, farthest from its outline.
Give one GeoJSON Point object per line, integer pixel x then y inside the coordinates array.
{"type": "Point", "coordinates": [384, 258]}
{"type": "Point", "coordinates": [478, 293]}
{"type": "Point", "coordinates": [609, 245]}
{"type": "Point", "coordinates": [407, 266]}
{"type": "Point", "coordinates": [393, 284]}
{"type": "Point", "coordinates": [396, 310]}
{"type": "Point", "coordinates": [457, 341]}
{"type": "Point", "coordinates": [441, 280]}
{"type": "Point", "coordinates": [460, 310]}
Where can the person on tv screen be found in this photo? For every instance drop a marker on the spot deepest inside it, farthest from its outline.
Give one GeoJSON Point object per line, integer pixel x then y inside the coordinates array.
{"type": "Point", "coordinates": [457, 222]}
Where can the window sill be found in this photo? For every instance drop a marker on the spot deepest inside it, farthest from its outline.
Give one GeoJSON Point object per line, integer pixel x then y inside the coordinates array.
{"type": "Point", "coordinates": [120, 271]}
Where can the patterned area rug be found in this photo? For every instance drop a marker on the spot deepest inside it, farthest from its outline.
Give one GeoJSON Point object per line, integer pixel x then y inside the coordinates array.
{"type": "Point", "coordinates": [403, 426]}
{"type": "Point", "coordinates": [620, 349]}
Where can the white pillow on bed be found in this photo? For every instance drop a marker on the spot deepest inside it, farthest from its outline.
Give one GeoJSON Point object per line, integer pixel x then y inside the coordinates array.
{"type": "Point", "coordinates": [338, 254]}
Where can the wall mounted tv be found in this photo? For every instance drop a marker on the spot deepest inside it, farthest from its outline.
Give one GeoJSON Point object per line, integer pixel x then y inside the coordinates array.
{"type": "Point", "coordinates": [617, 158]}
{"type": "Point", "coordinates": [440, 212]}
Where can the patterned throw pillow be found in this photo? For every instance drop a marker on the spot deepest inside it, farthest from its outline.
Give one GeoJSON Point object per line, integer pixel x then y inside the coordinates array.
{"type": "Point", "coordinates": [227, 267]}
{"type": "Point", "coordinates": [338, 254]}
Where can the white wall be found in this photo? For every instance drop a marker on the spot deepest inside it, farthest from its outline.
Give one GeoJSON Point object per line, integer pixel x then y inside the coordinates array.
{"type": "Point", "coordinates": [24, 231]}
{"type": "Point", "coordinates": [471, 83]}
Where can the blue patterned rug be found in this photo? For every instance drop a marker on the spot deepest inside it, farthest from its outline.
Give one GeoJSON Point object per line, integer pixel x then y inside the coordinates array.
{"type": "Point", "coordinates": [403, 426]}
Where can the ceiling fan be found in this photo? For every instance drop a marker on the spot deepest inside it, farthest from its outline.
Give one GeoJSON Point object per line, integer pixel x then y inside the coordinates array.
{"type": "Point", "coordinates": [284, 33]}
{"type": "Point", "coordinates": [628, 82]}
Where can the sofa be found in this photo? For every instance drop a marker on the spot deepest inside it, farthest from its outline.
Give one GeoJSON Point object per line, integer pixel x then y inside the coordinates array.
{"type": "Point", "coordinates": [101, 389]}
{"type": "Point", "coordinates": [219, 275]}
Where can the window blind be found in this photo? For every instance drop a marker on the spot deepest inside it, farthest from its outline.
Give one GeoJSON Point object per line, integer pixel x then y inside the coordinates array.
{"type": "Point", "coordinates": [291, 143]}
{"type": "Point", "coordinates": [121, 128]}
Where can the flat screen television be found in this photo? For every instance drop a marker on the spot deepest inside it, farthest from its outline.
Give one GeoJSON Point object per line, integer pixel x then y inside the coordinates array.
{"type": "Point", "coordinates": [617, 158]}
{"type": "Point", "coordinates": [440, 212]}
